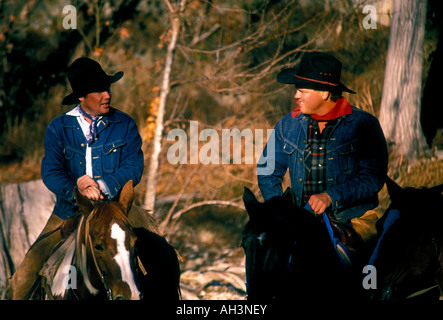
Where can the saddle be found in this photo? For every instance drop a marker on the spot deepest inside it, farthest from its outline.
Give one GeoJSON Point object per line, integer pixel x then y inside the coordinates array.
{"type": "Point", "coordinates": [347, 236]}
{"type": "Point", "coordinates": [69, 225]}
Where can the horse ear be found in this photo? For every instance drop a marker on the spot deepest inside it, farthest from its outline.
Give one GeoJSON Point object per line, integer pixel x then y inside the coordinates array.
{"type": "Point", "coordinates": [127, 196]}
{"type": "Point", "coordinates": [437, 189]}
{"type": "Point", "coordinates": [85, 205]}
{"type": "Point", "coordinates": [393, 188]}
{"type": "Point", "coordinates": [249, 200]}
{"type": "Point", "coordinates": [289, 197]}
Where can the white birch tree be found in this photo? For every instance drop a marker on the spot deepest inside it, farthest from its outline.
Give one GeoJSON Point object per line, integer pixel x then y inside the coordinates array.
{"type": "Point", "coordinates": [175, 13]}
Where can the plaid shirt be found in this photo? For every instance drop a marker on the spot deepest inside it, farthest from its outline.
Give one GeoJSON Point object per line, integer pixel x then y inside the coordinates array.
{"type": "Point", "coordinates": [315, 158]}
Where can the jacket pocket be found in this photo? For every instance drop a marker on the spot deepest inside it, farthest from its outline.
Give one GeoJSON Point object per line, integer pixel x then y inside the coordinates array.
{"type": "Point", "coordinates": [288, 148]}
{"type": "Point", "coordinates": [111, 156]}
{"type": "Point", "coordinates": [68, 153]}
{"type": "Point", "coordinates": [73, 161]}
{"type": "Point", "coordinates": [348, 158]}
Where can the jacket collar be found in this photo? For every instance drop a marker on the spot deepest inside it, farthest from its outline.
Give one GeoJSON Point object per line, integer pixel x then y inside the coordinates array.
{"type": "Point", "coordinates": [111, 117]}
{"type": "Point", "coordinates": [341, 108]}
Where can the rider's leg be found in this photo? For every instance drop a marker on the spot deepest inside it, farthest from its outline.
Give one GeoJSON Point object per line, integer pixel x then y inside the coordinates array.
{"type": "Point", "coordinates": [365, 225]}
{"type": "Point", "coordinates": [26, 273]}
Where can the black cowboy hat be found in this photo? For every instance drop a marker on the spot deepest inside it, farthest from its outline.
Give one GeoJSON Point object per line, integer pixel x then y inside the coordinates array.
{"type": "Point", "coordinates": [317, 71]}
{"type": "Point", "coordinates": [85, 76]}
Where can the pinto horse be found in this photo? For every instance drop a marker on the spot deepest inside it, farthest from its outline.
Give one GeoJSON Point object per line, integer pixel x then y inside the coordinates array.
{"type": "Point", "coordinates": [289, 254]}
{"type": "Point", "coordinates": [106, 258]}
{"type": "Point", "coordinates": [409, 254]}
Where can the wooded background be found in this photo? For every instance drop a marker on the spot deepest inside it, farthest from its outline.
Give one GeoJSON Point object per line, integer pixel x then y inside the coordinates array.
{"type": "Point", "coordinates": [215, 62]}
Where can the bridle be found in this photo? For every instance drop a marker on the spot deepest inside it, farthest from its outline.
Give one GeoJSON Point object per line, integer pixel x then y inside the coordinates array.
{"type": "Point", "coordinates": [108, 289]}
{"type": "Point", "coordinates": [97, 267]}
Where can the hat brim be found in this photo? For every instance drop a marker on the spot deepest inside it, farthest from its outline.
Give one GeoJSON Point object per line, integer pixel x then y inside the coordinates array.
{"type": "Point", "coordinates": [72, 98]}
{"type": "Point", "coordinates": [288, 76]}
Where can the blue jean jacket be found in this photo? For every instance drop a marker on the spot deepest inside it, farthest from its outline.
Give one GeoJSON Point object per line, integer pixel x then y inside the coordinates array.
{"type": "Point", "coordinates": [356, 167]}
{"type": "Point", "coordinates": [116, 157]}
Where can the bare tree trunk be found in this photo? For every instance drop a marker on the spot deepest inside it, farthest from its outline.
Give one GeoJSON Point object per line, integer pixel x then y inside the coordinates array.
{"type": "Point", "coordinates": [24, 210]}
{"type": "Point", "coordinates": [400, 105]}
{"type": "Point", "coordinates": [164, 92]}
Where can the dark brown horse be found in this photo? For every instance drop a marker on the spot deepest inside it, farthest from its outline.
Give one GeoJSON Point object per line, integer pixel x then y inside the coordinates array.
{"type": "Point", "coordinates": [289, 254]}
{"type": "Point", "coordinates": [409, 256]}
{"type": "Point", "coordinates": [106, 258]}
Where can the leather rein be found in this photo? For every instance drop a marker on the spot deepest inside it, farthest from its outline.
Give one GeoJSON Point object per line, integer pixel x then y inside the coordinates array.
{"type": "Point", "coordinates": [387, 292]}
{"type": "Point", "coordinates": [97, 267]}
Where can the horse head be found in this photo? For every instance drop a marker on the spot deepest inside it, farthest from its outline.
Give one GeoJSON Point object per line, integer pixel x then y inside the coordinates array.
{"type": "Point", "coordinates": [105, 246]}
{"type": "Point", "coordinates": [266, 250]}
{"type": "Point", "coordinates": [289, 253]}
{"type": "Point", "coordinates": [277, 234]}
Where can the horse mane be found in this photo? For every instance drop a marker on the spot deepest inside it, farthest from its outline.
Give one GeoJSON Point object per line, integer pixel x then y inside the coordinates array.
{"type": "Point", "coordinates": [103, 214]}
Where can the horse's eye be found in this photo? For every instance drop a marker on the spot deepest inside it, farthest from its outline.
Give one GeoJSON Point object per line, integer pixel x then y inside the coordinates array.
{"type": "Point", "coordinates": [98, 247]}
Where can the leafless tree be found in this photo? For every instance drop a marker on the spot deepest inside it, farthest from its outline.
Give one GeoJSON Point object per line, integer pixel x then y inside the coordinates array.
{"type": "Point", "coordinates": [175, 13]}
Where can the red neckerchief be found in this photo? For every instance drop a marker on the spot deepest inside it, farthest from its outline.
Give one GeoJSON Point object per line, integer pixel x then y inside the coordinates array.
{"type": "Point", "coordinates": [341, 108]}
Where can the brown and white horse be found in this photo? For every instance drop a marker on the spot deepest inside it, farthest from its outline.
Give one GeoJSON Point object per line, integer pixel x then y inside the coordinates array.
{"type": "Point", "coordinates": [99, 260]}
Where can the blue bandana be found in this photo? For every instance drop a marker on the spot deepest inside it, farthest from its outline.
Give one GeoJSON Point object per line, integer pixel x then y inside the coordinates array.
{"type": "Point", "coordinates": [90, 137]}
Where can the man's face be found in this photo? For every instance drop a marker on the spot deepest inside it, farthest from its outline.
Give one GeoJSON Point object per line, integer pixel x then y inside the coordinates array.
{"type": "Point", "coordinates": [311, 101]}
{"type": "Point", "coordinates": [96, 103]}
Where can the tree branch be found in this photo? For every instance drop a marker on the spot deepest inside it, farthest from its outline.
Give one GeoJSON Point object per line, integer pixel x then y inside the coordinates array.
{"type": "Point", "coordinates": [208, 202]}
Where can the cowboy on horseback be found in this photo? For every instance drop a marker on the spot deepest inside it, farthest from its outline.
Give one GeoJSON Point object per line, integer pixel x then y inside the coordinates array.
{"type": "Point", "coordinates": [93, 147]}
{"type": "Point", "coordinates": [336, 154]}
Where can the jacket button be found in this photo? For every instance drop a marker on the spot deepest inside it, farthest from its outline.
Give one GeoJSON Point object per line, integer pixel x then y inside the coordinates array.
{"type": "Point", "coordinates": [82, 145]}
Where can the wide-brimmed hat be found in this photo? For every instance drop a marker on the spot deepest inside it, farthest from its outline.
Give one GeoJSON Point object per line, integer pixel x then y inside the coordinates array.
{"type": "Point", "coordinates": [85, 76]}
{"type": "Point", "coordinates": [317, 71]}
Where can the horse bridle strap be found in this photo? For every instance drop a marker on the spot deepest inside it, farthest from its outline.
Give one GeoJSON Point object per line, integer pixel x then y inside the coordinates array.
{"type": "Point", "coordinates": [97, 267]}
{"type": "Point", "coordinates": [423, 291]}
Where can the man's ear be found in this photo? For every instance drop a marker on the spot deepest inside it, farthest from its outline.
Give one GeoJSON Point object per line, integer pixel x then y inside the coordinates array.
{"type": "Point", "coordinates": [325, 95]}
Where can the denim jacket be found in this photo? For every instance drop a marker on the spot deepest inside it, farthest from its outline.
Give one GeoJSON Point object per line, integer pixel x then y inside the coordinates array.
{"type": "Point", "coordinates": [356, 167]}
{"type": "Point", "coordinates": [116, 157]}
